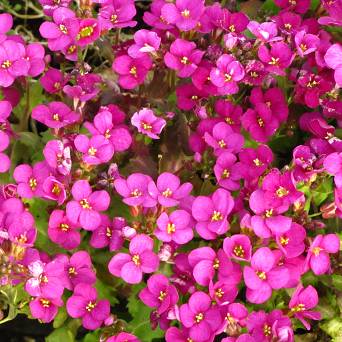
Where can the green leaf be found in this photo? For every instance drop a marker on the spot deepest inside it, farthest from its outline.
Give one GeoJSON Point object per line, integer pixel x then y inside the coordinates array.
{"type": "Point", "coordinates": [61, 334]}
{"type": "Point", "coordinates": [333, 328]}
{"type": "Point", "coordinates": [270, 7]}
{"type": "Point", "coordinates": [314, 4]}
{"type": "Point", "coordinates": [60, 318]}
{"type": "Point", "coordinates": [29, 139]}
{"type": "Point", "coordinates": [337, 281]}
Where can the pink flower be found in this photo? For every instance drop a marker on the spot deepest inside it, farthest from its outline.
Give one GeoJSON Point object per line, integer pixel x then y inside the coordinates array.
{"type": "Point", "coordinates": [123, 337]}
{"type": "Point", "coordinates": [266, 32]}
{"type": "Point", "coordinates": [200, 317]}
{"type": "Point", "coordinates": [302, 300]}
{"type": "Point", "coordinates": [278, 58]}
{"type": "Point", "coordinates": [227, 171]}
{"type": "Point", "coordinates": [226, 75]}
{"type": "Point", "coordinates": [238, 247]}
{"type": "Point", "coordinates": [85, 207]}
{"type": "Point", "coordinates": [88, 32]}
{"type": "Point", "coordinates": [58, 156]}
{"type": "Point", "coordinates": [174, 227]}
{"type": "Point", "coordinates": [263, 275]}
{"type": "Point", "coordinates": [62, 231]}
{"type": "Point", "coordinates": [45, 308]}
{"type": "Point", "coordinates": [183, 57]}
{"type": "Point", "coordinates": [96, 150]}
{"type": "Point", "coordinates": [168, 191]}
{"type": "Point", "coordinates": [141, 259]}
{"type": "Point", "coordinates": [54, 190]}
{"type": "Point", "coordinates": [84, 304]}
{"type": "Point", "coordinates": [6, 23]}
{"type": "Point", "coordinates": [55, 115]}
{"type": "Point", "coordinates": [53, 80]}
{"type": "Point", "coordinates": [12, 61]}
{"type": "Point", "coordinates": [35, 55]}
{"type": "Point", "coordinates": [62, 31]}
{"type": "Point", "coordinates": [159, 293]}
{"type": "Point", "coordinates": [318, 255]}
{"type": "Point", "coordinates": [211, 213]}
{"type": "Point", "coordinates": [306, 43]}
{"type": "Point", "coordinates": [147, 123]}
{"type": "Point", "coordinates": [132, 71]}
{"type": "Point", "coordinates": [333, 60]}
{"type": "Point", "coordinates": [145, 42]}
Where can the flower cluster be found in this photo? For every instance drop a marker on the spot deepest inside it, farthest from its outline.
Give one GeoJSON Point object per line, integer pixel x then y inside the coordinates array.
{"type": "Point", "coordinates": [192, 166]}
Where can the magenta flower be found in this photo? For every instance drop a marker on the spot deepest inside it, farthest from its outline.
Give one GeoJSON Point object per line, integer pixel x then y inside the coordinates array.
{"type": "Point", "coordinates": [134, 190]}
{"type": "Point", "coordinates": [117, 14]}
{"type": "Point", "coordinates": [12, 61]}
{"type": "Point", "coordinates": [304, 163]}
{"type": "Point", "coordinates": [267, 221]}
{"type": "Point", "coordinates": [174, 227]}
{"type": "Point", "coordinates": [230, 113]}
{"type": "Point", "coordinates": [6, 21]}
{"type": "Point", "coordinates": [145, 42]}
{"type": "Point", "coordinates": [223, 139]}
{"type": "Point", "coordinates": [188, 96]}
{"type": "Point", "coordinates": [279, 188]}
{"type": "Point", "coordinates": [167, 190]}
{"type": "Point", "coordinates": [278, 58]}
{"type": "Point", "coordinates": [45, 279]}
{"type": "Point", "coordinates": [54, 190]}
{"type": "Point", "coordinates": [108, 233]}
{"type": "Point", "coordinates": [306, 43]}
{"type": "Point", "coordinates": [200, 317]}
{"type": "Point", "coordinates": [227, 171]}
{"type": "Point", "coordinates": [21, 230]}
{"type": "Point", "coordinates": [266, 32]}
{"type": "Point", "coordinates": [333, 60]}
{"type": "Point", "coordinates": [255, 73]}
{"type": "Point", "coordinates": [49, 6]}
{"type": "Point", "coordinates": [45, 308]}
{"type": "Point", "coordinates": [254, 162]}
{"type": "Point", "coordinates": [55, 115]}
{"type": "Point", "coordinates": [141, 259]}
{"type": "Point", "coordinates": [57, 156]}
{"type": "Point", "coordinates": [263, 275]}
{"type": "Point", "coordinates": [84, 304]}
{"type": "Point", "coordinates": [333, 165]}
{"type": "Point", "coordinates": [53, 80]}
{"type": "Point", "coordinates": [268, 327]}
{"type": "Point", "coordinates": [63, 232]}
{"type": "Point", "coordinates": [88, 32]}
{"type": "Point", "coordinates": [291, 243]}
{"type": "Point", "coordinates": [123, 337]}
{"type": "Point", "coordinates": [62, 31]}
{"type": "Point", "coordinates": [30, 180]}
{"type": "Point", "coordinates": [184, 14]}
{"type": "Point", "coordinates": [211, 213]}
{"type": "Point", "coordinates": [159, 293]}
{"type": "Point", "coordinates": [205, 262]}
{"type": "Point", "coordinates": [131, 71]}
{"type": "Point", "coordinates": [35, 55]}
{"type": "Point", "coordinates": [79, 270]}
{"type": "Point", "coordinates": [225, 76]}
{"type": "Point", "coordinates": [96, 150]}
{"type": "Point", "coordinates": [183, 57]}
{"type": "Point", "coordinates": [299, 6]}
{"type": "Point", "coordinates": [85, 207]}
{"type": "Point", "coordinates": [222, 292]}
{"type": "Point", "coordinates": [238, 247]}
{"type": "Point", "coordinates": [148, 123]}
{"type": "Point", "coordinates": [302, 300]}
{"type": "Point", "coordinates": [104, 124]}
{"type": "Point", "coordinates": [318, 254]}
{"type": "Point", "coordinates": [260, 122]}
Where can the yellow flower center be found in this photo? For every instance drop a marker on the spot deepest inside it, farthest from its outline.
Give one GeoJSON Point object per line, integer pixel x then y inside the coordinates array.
{"type": "Point", "coordinates": [108, 232]}
{"type": "Point", "coordinates": [219, 293]}
{"type": "Point", "coordinates": [267, 330]}
{"type": "Point", "coordinates": [261, 122]}
{"type": "Point", "coordinates": [288, 26]}
{"type": "Point", "coordinates": [90, 306]}
{"type": "Point", "coordinates": [85, 204]}
{"type": "Point", "coordinates": [57, 85]}
{"type": "Point", "coordinates": [63, 28]}
{"type": "Point", "coordinates": [136, 193]}
{"type": "Point", "coordinates": [254, 74]}
{"type": "Point", "coordinates": [71, 49]}
{"type": "Point", "coordinates": [56, 189]}
{"type": "Point", "coordinates": [227, 77]}
{"type": "Point", "coordinates": [261, 275]}
{"type": "Point", "coordinates": [298, 308]}
{"type": "Point", "coordinates": [167, 192]}
{"type": "Point", "coordinates": [281, 192]}
{"type": "Point", "coordinates": [269, 213]}
{"type": "Point", "coordinates": [64, 227]}
{"type": "Point", "coordinates": [284, 240]}
{"type": "Point", "coordinates": [171, 228]}
{"type": "Point", "coordinates": [317, 250]}
{"type": "Point", "coordinates": [185, 13]}
{"type": "Point", "coordinates": [33, 183]}
{"type": "Point", "coordinates": [6, 64]}
{"type": "Point", "coordinates": [72, 271]}
{"type": "Point", "coordinates": [146, 126]}
{"type": "Point", "coordinates": [229, 121]}
{"type": "Point", "coordinates": [225, 174]}
{"type": "Point", "coordinates": [274, 61]}
{"type": "Point", "coordinates": [257, 162]}
{"type": "Point", "coordinates": [199, 317]}
{"type": "Point", "coordinates": [222, 143]}
{"type": "Point", "coordinates": [185, 60]}
{"type": "Point", "coordinates": [217, 216]}
{"type": "Point", "coordinates": [194, 97]}
{"type": "Point", "coordinates": [44, 302]}
{"type": "Point", "coordinates": [114, 18]}
{"type": "Point", "coordinates": [162, 295]}
{"type": "Point", "coordinates": [231, 28]}
{"type": "Point", "coordinates": [55, 117]}
{"type": "Point", "coordinates": [92, 151]}
{"type": "Point", "coordinates": [85, 32]}
{"type": "Point", "coordinates": [216, 264]}
{"type": "Point", "coordinates": [303, 47]}
{"type": "Point", "coordinates": [133, 71]}
{"type": "Point", "coordinates": [107, 134]}
{"type": "Point", "coordinates": [136, 259]}
{"type": "Point", "coordinates": [239, 251]}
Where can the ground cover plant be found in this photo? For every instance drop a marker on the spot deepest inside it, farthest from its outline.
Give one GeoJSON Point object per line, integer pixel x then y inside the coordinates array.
{"type": "Point", "coordinates": [171, 170]}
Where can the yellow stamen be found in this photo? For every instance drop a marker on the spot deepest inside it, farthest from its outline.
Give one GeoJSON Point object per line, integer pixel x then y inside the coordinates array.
{"type": "Point", "coordinates": [239, 251]}
{"type": "Point", "coordinates": [171, 228]}
{"type": "Point", "coordinates": [136, 259]}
